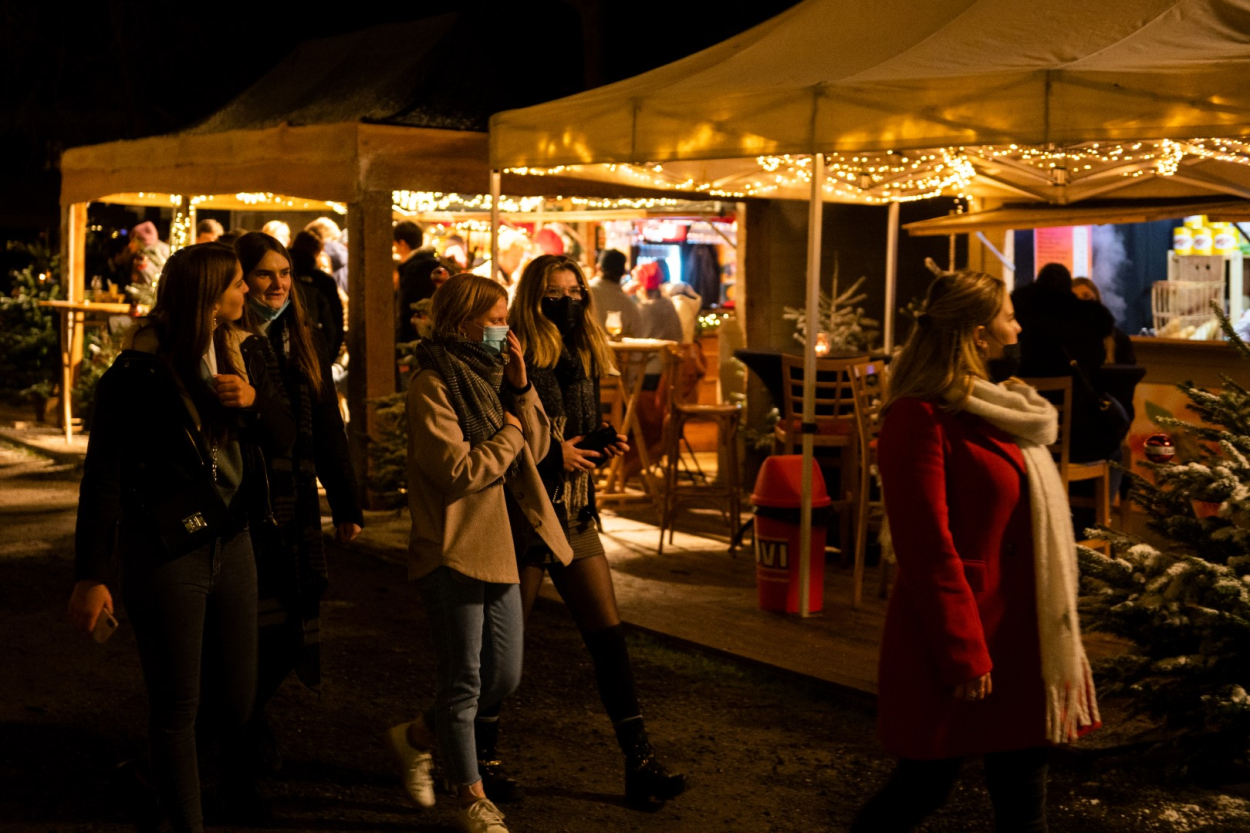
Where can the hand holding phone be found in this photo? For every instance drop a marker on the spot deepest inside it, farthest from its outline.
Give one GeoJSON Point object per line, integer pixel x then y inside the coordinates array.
{"type": "Point", "coordinates": [105, 626]}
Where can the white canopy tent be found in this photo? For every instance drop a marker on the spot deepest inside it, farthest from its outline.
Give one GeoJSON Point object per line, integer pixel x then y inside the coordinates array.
{"type": "Point", "coordinates": [1050, 101]}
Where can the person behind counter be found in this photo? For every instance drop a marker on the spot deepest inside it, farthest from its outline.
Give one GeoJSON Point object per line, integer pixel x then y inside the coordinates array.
{"type": "Point", "coordinates": [1059, 329]}
{"type": "Point", "coordinates": [608, 296]}
{"type": "Point", "coordinates": [1117, 348]}
{"type": "Point", "coordinates": [981, 653]}
{"type": "Point", "coordinates": [178, 505]}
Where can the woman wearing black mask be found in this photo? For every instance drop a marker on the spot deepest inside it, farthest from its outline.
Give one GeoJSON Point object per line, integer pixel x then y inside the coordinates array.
{"type": "Point", "coordinates": [566, 351]}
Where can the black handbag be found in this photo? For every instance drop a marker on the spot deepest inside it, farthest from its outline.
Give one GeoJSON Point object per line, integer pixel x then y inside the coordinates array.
{"type": "Point", "coordinates": [1113, 421]}
{"type": "Point", "coordinates": [189, 518]}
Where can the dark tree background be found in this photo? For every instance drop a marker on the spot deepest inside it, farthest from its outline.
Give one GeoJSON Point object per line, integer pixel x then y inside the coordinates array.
{"type": "Point", "coordinates": [87, 72]}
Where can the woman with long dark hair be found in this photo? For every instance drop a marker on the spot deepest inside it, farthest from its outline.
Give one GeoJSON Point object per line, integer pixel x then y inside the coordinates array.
{"type": "Point", "coordinates": [566, 352]}
{"type": "Point", "coordinates": [981, 654]}
{"type": "Point", "coordinates": [475, 429]}
{"type": "Point", "coordinates": [167, 510]}
{"type": "Point", "coordinates": [290, 558]}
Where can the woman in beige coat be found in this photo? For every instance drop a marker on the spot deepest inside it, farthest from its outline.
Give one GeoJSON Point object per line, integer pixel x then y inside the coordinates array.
{"type": "Point", "coordinates": [475, 428]}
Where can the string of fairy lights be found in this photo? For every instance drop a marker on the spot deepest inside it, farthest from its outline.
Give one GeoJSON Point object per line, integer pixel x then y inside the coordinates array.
{"type": "Point", "coordinates": [904, 176]}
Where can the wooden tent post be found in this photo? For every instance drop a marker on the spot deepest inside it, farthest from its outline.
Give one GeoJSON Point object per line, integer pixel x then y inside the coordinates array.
{"type": "Point", "coordinates": [814, 220]}
{"type": "Point", "coordinates": [891, 278]}
{"type": "Point", "coordinates": [371, 318]}
{"type": "Point", "coordinates": [73, 256]}
{"type": "Point", "coordinates": [495, 187]}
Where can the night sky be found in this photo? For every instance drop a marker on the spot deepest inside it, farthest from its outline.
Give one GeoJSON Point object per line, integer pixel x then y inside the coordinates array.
{"type": "Point", "coordinates": [81, 73]}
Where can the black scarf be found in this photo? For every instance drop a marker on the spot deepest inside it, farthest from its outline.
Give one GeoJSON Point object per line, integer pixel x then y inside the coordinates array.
{"type": "Point", "coordinates": [569, 395]}
{"type": "Point", "coordinates": [473, 376]}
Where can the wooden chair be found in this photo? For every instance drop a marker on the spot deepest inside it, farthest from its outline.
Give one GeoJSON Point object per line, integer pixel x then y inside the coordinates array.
{"type": "Point", "coordinates": [1058, 390]}
{"type": "Point", "coordinates": [726, 492]}
{"type": "Point", "coordinates": [835, 427]}
{"type": "Point", "coordinates": [868, 385]}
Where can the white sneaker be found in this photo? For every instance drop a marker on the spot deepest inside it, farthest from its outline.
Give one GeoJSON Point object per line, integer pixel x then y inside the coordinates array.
{"type": "Point", "coordinates": [415, 766]}
{"type": "Point", "coordinates": [481, 817]}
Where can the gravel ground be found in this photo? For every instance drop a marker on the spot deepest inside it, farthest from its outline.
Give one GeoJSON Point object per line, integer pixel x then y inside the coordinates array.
{"type": "Point", "coordinates": [763, 751]}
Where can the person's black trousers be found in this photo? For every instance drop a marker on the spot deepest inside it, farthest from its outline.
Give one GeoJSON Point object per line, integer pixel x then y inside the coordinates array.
{"type": "Point", "coordinates": [201, 603]}
{"type": "Point", "coordinates": [1016, 781]}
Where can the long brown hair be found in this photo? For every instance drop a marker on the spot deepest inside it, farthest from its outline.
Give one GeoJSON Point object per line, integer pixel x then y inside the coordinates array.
{"type": "Point", "coordinates": [940, 358]}
{"type": "Point", "coordinates": [191, 283]}
{"type": "Point", "coordinates": [252, 248]}
{"type": "Point", "coordinates": [540, 339]}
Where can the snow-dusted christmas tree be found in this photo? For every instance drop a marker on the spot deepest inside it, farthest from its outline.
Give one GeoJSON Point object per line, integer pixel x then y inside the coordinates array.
{"type": "Point", "coordinates": [1186, 602]}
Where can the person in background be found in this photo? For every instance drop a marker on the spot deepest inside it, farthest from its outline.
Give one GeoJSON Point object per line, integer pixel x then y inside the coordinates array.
{"type": "Point", "coordinates": [456, 250]}
{"type": "Point", "coordinates": [416, 263]}
{"type": "Point", "coordinates": [567, 353]}
{"type": "Point", "coordinates": [657, 317]}
{"type": "Point", "coordinates": [228, 238]}
{"type": "Point", "coordinates": [1117, 348]}
{"type": "Point", "coordinates": [688, 304]}
{"type": "Point", "coordinates": [325, 305]}
{"type": "Point", "coordinates": [154, 250]}
{"type": "Point", "coordinates": [330, 235]}
{"type": "Point", "coordinates": [176, 507]}
{"type": "Point", "coordinates": [278, 230]}
{"type": "Point", "coordinates": [475, 428]}
{"type": "Point", "coordinates": [118, 265]}
{"type": "Point", "coordinates": [981, 653]}
{"type": "Point", "coordinates": [291, 565]}
{"type": "Point", "coordinates": [207, 231]}
{"type": "Point", "coordinates": [1059, 329]}
{"type": "Point", "coordinates": [606, 291]}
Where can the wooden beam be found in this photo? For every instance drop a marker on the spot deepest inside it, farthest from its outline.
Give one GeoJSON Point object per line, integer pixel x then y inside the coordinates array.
{"type": "Point", "coordinates": [371, 318]}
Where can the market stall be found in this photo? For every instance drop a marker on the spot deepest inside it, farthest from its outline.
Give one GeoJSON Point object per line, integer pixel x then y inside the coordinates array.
{"type": "Point", "coordinates": [1051, 102]}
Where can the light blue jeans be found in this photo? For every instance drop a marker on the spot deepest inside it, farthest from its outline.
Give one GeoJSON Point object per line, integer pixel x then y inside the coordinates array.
{"type": "Point", "coordinates": [477, 629]}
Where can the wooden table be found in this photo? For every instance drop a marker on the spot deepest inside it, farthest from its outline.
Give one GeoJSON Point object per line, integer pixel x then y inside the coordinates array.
{"type": "Point", "coordinates": [630, 351]}
{"type": "Point", "coordinates": [72, 318]}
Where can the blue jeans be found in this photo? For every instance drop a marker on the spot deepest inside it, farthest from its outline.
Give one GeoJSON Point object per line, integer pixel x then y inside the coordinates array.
{"type": "Point", "coordinates": [189, 613]}
{"type": "Point", "coordinates": [478, 638]}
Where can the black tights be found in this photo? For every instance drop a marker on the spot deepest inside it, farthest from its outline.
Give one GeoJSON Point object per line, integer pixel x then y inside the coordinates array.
{"type": "Point", "coordinates": [1016, 781]}
{"type": "Point", "coordinates": [586, 587]}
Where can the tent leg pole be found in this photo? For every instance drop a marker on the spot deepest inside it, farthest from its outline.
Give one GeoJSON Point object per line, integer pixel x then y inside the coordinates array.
{"type": "Point", "coordinates": [891, 279]}
{"type": "Point", "coordinates": [814, 221]}
{"type": "Point", "coordinates": [495, 186]}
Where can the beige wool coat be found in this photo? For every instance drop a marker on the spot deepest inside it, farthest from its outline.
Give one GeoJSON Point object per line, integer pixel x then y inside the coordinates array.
{"type": "Point", "coordinates": [458, 510]}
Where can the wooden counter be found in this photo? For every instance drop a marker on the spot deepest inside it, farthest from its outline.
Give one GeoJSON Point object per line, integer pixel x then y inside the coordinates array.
{"type": "Point", "coordinates": [1170, 361]}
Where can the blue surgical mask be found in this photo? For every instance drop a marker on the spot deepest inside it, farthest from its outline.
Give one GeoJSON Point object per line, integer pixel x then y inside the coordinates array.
{"type": "Point", "coordinates": [265, 312]}
{"type": "Point", "coordinates": [495, 338]}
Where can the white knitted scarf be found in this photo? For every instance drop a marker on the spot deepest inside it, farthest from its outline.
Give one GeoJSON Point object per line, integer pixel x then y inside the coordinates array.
{"type": "Point", "coordinates": [1033, 423]}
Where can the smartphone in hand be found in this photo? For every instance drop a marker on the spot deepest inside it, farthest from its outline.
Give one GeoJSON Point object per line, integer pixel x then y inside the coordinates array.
{"type": "Point", "coordinates": [105, 626]}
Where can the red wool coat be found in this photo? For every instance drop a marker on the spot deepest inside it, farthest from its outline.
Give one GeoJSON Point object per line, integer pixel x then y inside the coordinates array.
{"type": "Point", "coordinates": [964, 603]}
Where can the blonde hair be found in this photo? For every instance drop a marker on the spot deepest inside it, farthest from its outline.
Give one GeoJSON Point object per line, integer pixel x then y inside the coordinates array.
{"type": "Point", "coordinates": [540, 339]}
{"type": "Point", "coordinates": [463, 298]}
{"type": "Point", "coordinates": [940, 358]}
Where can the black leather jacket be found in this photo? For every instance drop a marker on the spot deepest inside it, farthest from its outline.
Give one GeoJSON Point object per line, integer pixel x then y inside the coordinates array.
{"type": "Point", "coordinates": [144, 445]}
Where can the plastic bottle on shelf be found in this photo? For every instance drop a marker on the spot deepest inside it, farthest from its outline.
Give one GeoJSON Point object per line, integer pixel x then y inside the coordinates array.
{"type": "Point", "coordinates": [1224, 241]}
{"type": "Point", "coordinates": [1183, 240]}
{"type": "Point", "coordinates": [1204, 240]}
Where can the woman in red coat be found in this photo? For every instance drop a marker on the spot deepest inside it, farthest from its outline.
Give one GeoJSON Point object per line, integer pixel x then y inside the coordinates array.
{"type": "Point", "coordinates": [981, 653]}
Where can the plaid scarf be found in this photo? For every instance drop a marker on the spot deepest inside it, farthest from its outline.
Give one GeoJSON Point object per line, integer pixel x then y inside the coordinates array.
{"type": "Point", "coordinates": [473, 376]}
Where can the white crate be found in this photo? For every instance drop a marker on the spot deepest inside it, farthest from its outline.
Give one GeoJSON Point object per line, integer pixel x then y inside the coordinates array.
{"type": "Point", "coordinates": [1178, 305]}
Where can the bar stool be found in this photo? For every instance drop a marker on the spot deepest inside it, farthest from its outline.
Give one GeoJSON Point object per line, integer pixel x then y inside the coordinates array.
{"type": "Point", "coordinates": [726, 493]}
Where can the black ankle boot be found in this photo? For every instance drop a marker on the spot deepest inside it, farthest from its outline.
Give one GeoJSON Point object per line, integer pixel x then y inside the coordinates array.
{"type": "Point", "coordinates": [646, 779]}
{"type": "Point", "coordinates": [498, 785]}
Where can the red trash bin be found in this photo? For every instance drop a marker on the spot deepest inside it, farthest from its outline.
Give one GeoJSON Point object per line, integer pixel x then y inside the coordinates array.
{"type": "Point", "coordinates": [778, 499]}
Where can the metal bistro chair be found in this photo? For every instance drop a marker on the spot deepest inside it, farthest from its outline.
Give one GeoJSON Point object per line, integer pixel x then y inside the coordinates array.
{"type": "Point", "coordinates": [1058, 390]}
{"type": "Point", "coordinates": [869, 380]}
{"type": "Point", "coordinates": [727, 491]}
{"type": "Point", "coordinates": [835, 427]}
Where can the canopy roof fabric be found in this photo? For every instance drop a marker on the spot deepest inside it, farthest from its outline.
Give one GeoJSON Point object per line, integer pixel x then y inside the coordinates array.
{"type": "Point", "coordinates": [1092, 213]}
{"type": "Point", "coordinates": [847, 77]}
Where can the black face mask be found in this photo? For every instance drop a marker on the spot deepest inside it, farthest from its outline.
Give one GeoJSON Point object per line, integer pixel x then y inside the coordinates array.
{"type": "Point", "coordinates": [1002, 369]}
{"type": "Point", "coordinates": [565, 313]}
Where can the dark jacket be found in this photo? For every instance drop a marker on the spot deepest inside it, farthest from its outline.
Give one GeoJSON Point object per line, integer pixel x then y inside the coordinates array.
{"type": "Point", "coordinates": [323, 307]}
{"type": "Point", "coordinates": [290, 555]}
{"type": "Point", "coordinates": [145, 446]}
{"type": "Point", "coordinates": [414, 285]}
{"type": "Point", "coordinates": [1058, 328]}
